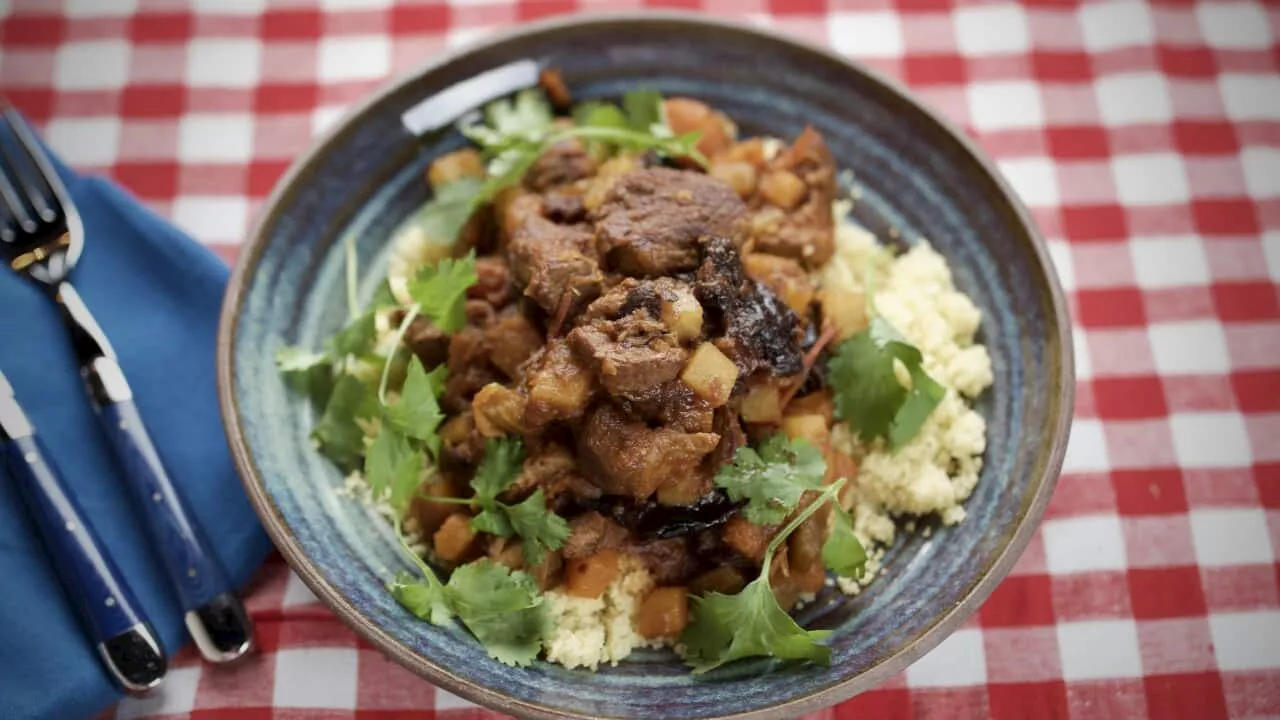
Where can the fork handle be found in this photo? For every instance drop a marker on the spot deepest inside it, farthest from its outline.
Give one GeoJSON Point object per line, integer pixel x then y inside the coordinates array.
{"type": "Point", "coordinates": [214, 615]}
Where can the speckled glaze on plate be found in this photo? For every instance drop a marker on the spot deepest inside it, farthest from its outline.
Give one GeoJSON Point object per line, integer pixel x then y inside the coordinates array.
{"type": "Point", "coordinates": [916, 174]}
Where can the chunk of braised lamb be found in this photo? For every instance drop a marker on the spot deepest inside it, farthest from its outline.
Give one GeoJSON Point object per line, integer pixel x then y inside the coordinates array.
{"type": "Point", "coordinates": [564, 207]}
{"type": "Point", "coordinates": [426, 341]}
{"type": "Point", "coordinates": [623, 456]}
{"type": "Point", "coordinates": [498, 411]}
{"type": "Point", "coordinates": [670, 404]}
{"type": "Point", "coordinates": [650, 221]}
{"type": "Point", "coordinates": [512, 340]}
{"type": "Point", "coordinates": [469, 368]}
{"type": "Point", "coordinates": [593, 532]}
{"type": "Point", "coordinates": [549, 261]}
{"type": "Point", "coordinates": [629, 354]}
{"type": "Point", "coordinates": [797, 189]}
{"type": "Point", "coordinates": [565, 162]}
{"type": "Point", "coordinates": [669, 561]}
{"type": "Point", "coordinates": [553, 468]}
{"type": "Point", "coordinates": [559, 385]}
{"type": "Point", "coordinates": [493, 281]}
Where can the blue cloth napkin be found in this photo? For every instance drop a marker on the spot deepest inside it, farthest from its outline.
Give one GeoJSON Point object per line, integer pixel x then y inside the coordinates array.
{"type": "Point", "coordinates": [156, 294]}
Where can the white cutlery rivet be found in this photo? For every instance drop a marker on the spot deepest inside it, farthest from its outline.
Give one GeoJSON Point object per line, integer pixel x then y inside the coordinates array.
{"type": "Point", "coordinates": [71, 527]}
{"type": "Point", "coordinates": [111, 602]}
{"type": "Point", "coordinates": [191, 572]}
{"type": "Point", "coordinates": [157, 497]}
{"type": "Point", "coordinates": [31, 458]}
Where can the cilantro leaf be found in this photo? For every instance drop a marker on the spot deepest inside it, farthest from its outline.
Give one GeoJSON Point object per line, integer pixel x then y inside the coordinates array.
{"type": "Point", "coordinates": [539, 528]}
{"type": "Point", "coordinates": [644, 110]}
{"type": "Point", "coordinates": [842, 553]}
{"type": "Point", "coordinates": [443, 218]}
{"type": "Point", "coordinates": [502, 608]}
{"type": "Point", "coordinates": [773, 479]}
{"type": "Point", "coordinates": [528, 113]}
{"type": "Point", "coordinates": [437, 378]}
{"type": "Point", "coordinates": [441, 289]}
{"type": "Point", "coordinates": [341, 439]}
{"type": "Point", "coordinates": [393, 469]}
{"type": "Point", "coordinates": [424, 598]}
{"type": "Point", "coordinates": [416, 413]}
{"type": "Point", "coordinates": [357, 337]}
{"type": "Point", "coordinates": [751, 623]}
{"type": "Point", "coordinates": [502, 462]}
{"type": "Point", "coordinates": [868, 395]}
{"type": "Point", "coordinates": [307, 372]}
{"type": "Point", "coordinates": [493, 520]}
{"type": "Point", "coordinates": [594, 113]}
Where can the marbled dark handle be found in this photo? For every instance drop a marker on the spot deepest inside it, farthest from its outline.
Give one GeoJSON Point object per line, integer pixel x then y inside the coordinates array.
{"type": "Point", "coordinates": [87, 572]}
{"type": "Point", "coordinates": [194, 571]}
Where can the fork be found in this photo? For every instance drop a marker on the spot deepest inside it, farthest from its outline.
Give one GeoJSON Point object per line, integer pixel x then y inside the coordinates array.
{"type": "Point", "coordinates": [41, 237]}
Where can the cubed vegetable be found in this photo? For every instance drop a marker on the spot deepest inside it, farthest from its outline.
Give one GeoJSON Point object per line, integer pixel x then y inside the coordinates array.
{"type": "Point", "coordinates": [784, 276]}
{"type": "Point", "coordinates": [725, 580]}
{"type": "Point", "coordinates": [684, 489]}
{"type": "Point", "coordinates": [710, 374]}
{"type": "Point", "coordinates": [454, 166]}
{"type": "Point", "coordinates": [748, 539]}
{"type": "Point", "coordinates": [588, 577]}
{"type": "Point", "coordinates": [813, 428]}
{"type": "Point", "coordinates": [498, 411]}
{"type": "Point", "coordinates": [737, 174]}
{"type": "Point", "coordinates": [815, 403]}
{"type": "Point", "coordinates": [783, 189]}
{"type": "Point", "coordinates": [431, 515]}
{"type": "Point", "coordinates": [845, 309]}
{"type": "Point", "coordinates": [455, 541]}
{"type": "Point", "coordinates": [683, 316]}
{"type": "Point", "coordinates": [685, 115]}
{"type": "Point", "coordinates": [763, 403]}
{"type": "Point", "coordinates": [663, 613]}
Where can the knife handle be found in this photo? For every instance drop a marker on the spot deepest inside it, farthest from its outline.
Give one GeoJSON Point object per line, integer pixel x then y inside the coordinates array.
{"type": "Point", "coordinates": [107, 607]}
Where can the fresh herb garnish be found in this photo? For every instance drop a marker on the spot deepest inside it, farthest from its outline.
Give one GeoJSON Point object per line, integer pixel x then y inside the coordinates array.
{"type": "Point", "coordinates": [393, 469]}
{"type": "Point", "coordinates": [772, 479]}
{"type": "Point", "coordinates": [340, 437]}
{"type": "Point", "coordinates": [539, 529]}
{"type": "Point", "coordinates": [416, 412]}
{"type": "Point", "coordinates": [501, 607]}
{"type": "Point", "coordinates": [440, 291]}
{"type": "Point", "coordinates": [751, 623]}
{"type": "Point", "coordinates": [842, 553]}
{"type": "Point", "coordinates": [307, 372]}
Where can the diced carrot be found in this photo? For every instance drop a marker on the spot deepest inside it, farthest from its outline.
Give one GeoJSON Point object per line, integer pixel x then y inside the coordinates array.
{"type": "Point", "coordinates": [663, 613]}
{"type": "Point", "coordinates": [455, 541]}
{"type": "Point", "coordinates": [588, 577]}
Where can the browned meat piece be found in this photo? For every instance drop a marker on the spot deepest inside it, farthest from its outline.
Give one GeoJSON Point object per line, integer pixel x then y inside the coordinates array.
{"type": "Point", "coordinates": [759, 331]}
{"type": "Point", "coordinates": [565, 162]}
{"type": "Point", "coordinates": [732, 437]}
{"type": "Point", "coordinates": [625, 457]}
{"type": "Point", "coordinates": [479, 312]}
{"type": "Point", "coordinates": [748, 539]}
{"type": "Point", "coordinates": [784, 277]}
{"type": "Point", "coordinates": [426, 341]}
{"type": "Point", "coordinates": [805, 233]}
{"type": "Point", "coordinates": [549, 260]}
{"type": "Point", "coordinates": [553, 468]}
{"type": "Point", "coordinates": [493, 281]}
{"type": "Point", "coordinates": [629, 354]}
{"type": "Point", "coordinates": [685, 488]}
{"type": "Point", "coordinates": [805, 554]}
{"type": "Point", "coordinates": [564, 207]}
{"type": "Point", "coordinates": [512, 340]}
{"type": "Point", "coordinates": [498, 410]}
{"type": "Point", "coordinates": [455, 542]}
{"type": "Point", "coordinates": [593, 532]}
{"type": "Point", "coordinates": [781, 580]}
{"type": "Point", "coordinates": [669, 561]}
{"type": "Point", "coordinates": [469, 368]}
{"type": "Point", "coordinates": [559, 384]}
{"type": "Point", "coordinates": [553, 85]}
{"type": "Point", "coordinates": [672, 404]}
{"type": "Point", "coordinates": [651, 220]}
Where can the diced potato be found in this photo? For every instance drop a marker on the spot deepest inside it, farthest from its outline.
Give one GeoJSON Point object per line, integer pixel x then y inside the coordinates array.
{"type": "Point", "coordinates": [588, 577]}
{"type": "Point", "coordinates": [750, 151]}
{"type": "Point", "coordinates": [454, 166]}
{"type": "Point", "coordinates": [737, 174]}
{"type": "Point", "coordinates": [784, 276]}
{"type": "Point", "coordinates": [725, 580]}
{"type": "Point", "coordinates": [683, 316]}
{"type": "Point", "coordinates": [763, 403]}
{"type": "Point", "coordinates": [431, 515]}
{"type": "Point", "coordinates": [663, 613]}
{"type": "Point", "coordinates": [710, 374]}
{"type": "Point", "coordinates": [748, 539]}
{"type": "Point", "coordinates": [498, 411]}
{"type": "Point", "coordinates": [815, 403]}
{"type": "Point", "coordinates": [767, 221]}
{"type": "Point", "coordinates": [845, 309]}
{"type": "Point", "coordinates": [455, 541]}
{"type": "Point", "coordinates": [813, 428]}
{"type": "Point", "coordinates": [559, 386]}
{"type": "Point", "coordinates": [685, 489]}
{"type": "Point", "coordinates": [782, 188]}
{"type": "Point", "coordinates": [686, 115]}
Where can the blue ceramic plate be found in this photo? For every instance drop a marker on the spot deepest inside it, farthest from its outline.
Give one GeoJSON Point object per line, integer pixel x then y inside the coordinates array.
{"type": "Point", "coordinates": [917, 175]}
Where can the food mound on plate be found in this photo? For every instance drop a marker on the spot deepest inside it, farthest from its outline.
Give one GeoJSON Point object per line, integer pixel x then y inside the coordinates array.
{"type": "Point", "coordinates": [634, 381]}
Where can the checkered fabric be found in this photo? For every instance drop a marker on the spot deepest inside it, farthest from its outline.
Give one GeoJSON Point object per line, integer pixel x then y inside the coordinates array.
{"type": "Point", "coordinates": [1144, 138]}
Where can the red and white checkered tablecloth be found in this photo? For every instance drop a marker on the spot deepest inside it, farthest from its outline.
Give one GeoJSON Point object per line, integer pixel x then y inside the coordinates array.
{"type": "Point", "coordinates": [1144, 137]}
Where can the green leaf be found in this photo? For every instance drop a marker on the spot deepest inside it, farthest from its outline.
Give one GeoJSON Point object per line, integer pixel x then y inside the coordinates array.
{"type": "Point", "coordinates": [437, 378]}
{"type": "Point", "coordinates": [425, 598]}
{"type": "Point", "coordinates": [440, 291]}
{"type": "Point", "coordinates": [493, 520]}
{"type": "Point", "coordinates": [502, 609]}
{"type": "Point", "coordinates": [416, 413]}
{"type": "Point", "coordinates": [773, 479]}
{"type": "Point", "coordinates": [539, 528]}
{"type": "Point", "coordinates": [528, 113]}
{"type": "Point", "coordinates": [383, 297]}
{"type": "Point", "coordinates": [868, 396]}
{"type": "Point", "coordinates": [307, 372]}
{"type": "Point", "coordinates": [501, 464]}
{"type": "Point", "coordinates": [356, 338]}
{"type": "Point", "coordinates": [341, 439]}
{"type": "Point", "coordinates": [393, 469]}
{"type": "Point", "coordinates": [842, 553]}
{"type": "Point", "coordinates": [594, 113]}
{"type": "Point", "coordinates": [443, 218]}
{"type": "Point", "coordinates": [748, 624]}
{"type": "Point", "coordinates": [644, 110]}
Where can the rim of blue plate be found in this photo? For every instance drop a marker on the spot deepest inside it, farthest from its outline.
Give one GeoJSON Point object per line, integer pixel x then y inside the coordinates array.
{"type": "Point", "coordinates": [288, 545]}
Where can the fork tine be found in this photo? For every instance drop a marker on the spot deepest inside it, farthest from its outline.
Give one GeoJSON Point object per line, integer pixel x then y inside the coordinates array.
{"type": "Point", "coordinates": [31, 172]}
{"type": "Point", "coordinates": [14, 206]}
